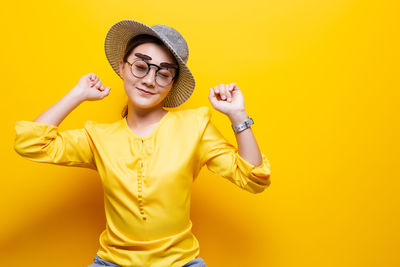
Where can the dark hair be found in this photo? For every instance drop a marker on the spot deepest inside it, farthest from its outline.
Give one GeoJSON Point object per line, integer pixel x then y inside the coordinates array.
{"type": "Point", "coordinates": [134, 42]}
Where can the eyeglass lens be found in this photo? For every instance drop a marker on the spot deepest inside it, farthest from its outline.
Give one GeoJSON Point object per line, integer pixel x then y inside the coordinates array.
{"type": "Point", "coordinates": [163, 76]}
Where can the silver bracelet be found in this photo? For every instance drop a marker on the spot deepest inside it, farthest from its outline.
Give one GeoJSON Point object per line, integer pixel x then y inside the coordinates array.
{"type": "Point", "coordinates": [243, 125]}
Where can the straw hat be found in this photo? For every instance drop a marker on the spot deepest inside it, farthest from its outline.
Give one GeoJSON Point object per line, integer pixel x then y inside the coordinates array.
{"type": "Point", "coordinates": [121, 32]}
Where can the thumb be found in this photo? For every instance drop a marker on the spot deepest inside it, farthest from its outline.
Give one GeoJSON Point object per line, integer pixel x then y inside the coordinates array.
{"type": "Point", "coordinates": [106, 92]}
{"type": "Point", "coordinates": [211, 96]}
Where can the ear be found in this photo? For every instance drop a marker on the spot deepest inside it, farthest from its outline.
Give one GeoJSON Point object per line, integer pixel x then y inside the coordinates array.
{"type": "Point", "coordinates": [121, 67]}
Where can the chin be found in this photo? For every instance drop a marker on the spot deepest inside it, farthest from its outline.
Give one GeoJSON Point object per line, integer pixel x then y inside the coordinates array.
{"type": "Point", "coordinates": [142, 103]}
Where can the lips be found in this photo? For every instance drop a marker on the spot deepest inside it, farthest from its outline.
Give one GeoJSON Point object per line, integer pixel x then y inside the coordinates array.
{"type": "Point", "coordinates": [145, 91]}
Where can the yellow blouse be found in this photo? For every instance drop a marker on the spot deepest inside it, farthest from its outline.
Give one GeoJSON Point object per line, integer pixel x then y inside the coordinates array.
{"type": "Point", "coordinates": [146, 180]}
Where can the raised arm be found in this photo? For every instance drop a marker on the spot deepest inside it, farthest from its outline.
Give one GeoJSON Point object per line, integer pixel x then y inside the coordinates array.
{"type": "Point", "coordinates": [41, 141]}
{"type": "Point", "coordinates": [89, 87]}
{"type": "Point", "coordinates": [224, 158]}
{"type": "Point", "coordinates": [229, 100]}
{"type": "Point", "coordinates": [246, 166]}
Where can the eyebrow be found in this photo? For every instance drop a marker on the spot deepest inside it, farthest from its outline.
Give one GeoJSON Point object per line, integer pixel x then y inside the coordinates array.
{"type": "Point", "coordinates": [162, 64]}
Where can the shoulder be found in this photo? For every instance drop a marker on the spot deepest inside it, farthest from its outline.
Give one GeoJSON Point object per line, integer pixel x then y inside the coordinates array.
{"type": "Point", "coordinates": [204, 115]}
{"type": "Point", "coordinates": [194, 120]}
{"type": "Point", "coordinates": [198, 115]}
{"type": "Point", "coordinates": [202, 111]}
{"type": "Point", "coordinates": [102, 127]}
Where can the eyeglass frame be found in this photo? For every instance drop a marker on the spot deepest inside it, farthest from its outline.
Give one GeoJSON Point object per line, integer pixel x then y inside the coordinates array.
{"type": "Point", "coordinates": [149, 67]}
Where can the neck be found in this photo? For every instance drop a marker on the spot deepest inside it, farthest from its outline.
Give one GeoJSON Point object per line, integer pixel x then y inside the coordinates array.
{"type": "Point", "coordinates": [144, 117]}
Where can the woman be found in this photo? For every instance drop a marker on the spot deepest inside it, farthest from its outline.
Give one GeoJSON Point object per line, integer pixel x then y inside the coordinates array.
{"type": "Point", "coordinates": [148, 160]}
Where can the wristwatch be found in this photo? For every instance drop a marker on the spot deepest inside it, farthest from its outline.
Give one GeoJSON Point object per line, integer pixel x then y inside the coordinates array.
{"type": "Point", "coordinates": [243, 125]}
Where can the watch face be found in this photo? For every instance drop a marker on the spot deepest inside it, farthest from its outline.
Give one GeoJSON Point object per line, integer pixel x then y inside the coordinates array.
{"type": "Point", "coordinates": [243, 125]}
{"type": "Point", "coordinates": [249, 122]}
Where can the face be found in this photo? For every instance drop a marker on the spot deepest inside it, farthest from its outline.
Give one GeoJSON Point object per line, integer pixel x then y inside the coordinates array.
{"type": "Point", "coordinates": [154, 54]}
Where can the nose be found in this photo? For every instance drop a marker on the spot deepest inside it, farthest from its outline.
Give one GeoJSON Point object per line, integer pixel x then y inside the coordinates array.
{"type": "Point", "coordinates": [150, 78]}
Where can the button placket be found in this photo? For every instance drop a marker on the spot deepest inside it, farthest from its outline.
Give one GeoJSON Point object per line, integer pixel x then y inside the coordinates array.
{"type": "Point", "coordinates": [140, 181]}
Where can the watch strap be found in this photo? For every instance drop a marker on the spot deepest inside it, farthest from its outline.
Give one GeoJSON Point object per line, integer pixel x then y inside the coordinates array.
{"type": "Point", "coordinates": [243, 125]}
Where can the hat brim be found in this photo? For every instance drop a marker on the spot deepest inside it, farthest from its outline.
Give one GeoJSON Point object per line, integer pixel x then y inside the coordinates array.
{"type": "Point", "coordinates": [118, 37]}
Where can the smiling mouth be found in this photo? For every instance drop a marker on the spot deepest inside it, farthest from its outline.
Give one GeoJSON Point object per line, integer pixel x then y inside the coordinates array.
{"type": "Point", "coordinates": [145, 91]}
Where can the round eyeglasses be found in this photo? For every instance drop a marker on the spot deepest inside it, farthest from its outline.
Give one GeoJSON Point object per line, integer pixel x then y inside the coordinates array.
{"type": "Point", "coordinates": [141, 68]}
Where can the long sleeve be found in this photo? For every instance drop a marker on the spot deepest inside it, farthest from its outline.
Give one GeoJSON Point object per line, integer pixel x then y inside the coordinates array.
{"type": "Point", "coordinates": [41, 142]}
{"type": "Point", "coordinates": [223, 158]}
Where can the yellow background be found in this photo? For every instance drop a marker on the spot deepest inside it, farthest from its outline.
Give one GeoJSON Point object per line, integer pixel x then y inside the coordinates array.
{"type": "Point", "coordinates": [319, 78]}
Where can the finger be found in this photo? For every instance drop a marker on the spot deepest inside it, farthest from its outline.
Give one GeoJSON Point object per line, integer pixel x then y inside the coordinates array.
{"type": "Point", "coordinates": [94, 83]}
{"type": "Point", "coordinates": [228, 92]}
{"type": "Point", "coordinates": [218, 90]}
{"type": "Point", "coordinates": [231, 87]}
{"type": "Point", "coordinates": [211, 93]}
{"type": "Point", "coordinates": [95, 79]}
{"type": "Point", "coordinates": [102, 87]}
{"type": "Point", "coordinates": [212, 96]}
{"type": "Point", "coordinates": [106, 92]}
{"type": "Point", "coordinates": [98, 84]}
{"type": "Point", "coordinates": [225, 91]}
{"type": "Point", "coordinates": [235, 88]}
{"type": "Point", "coordinates": [92, 76]}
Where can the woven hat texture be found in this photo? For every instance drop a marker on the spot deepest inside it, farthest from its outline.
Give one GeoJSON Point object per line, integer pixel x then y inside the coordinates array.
{"type": "Point", "coordinates": [121, 32]}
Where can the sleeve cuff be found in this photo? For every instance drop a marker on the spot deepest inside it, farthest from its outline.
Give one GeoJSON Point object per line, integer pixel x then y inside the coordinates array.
{"type": "Point", "coordinates": [259, 174]}
{"type": "Point", "coordinates": [34, 128]}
